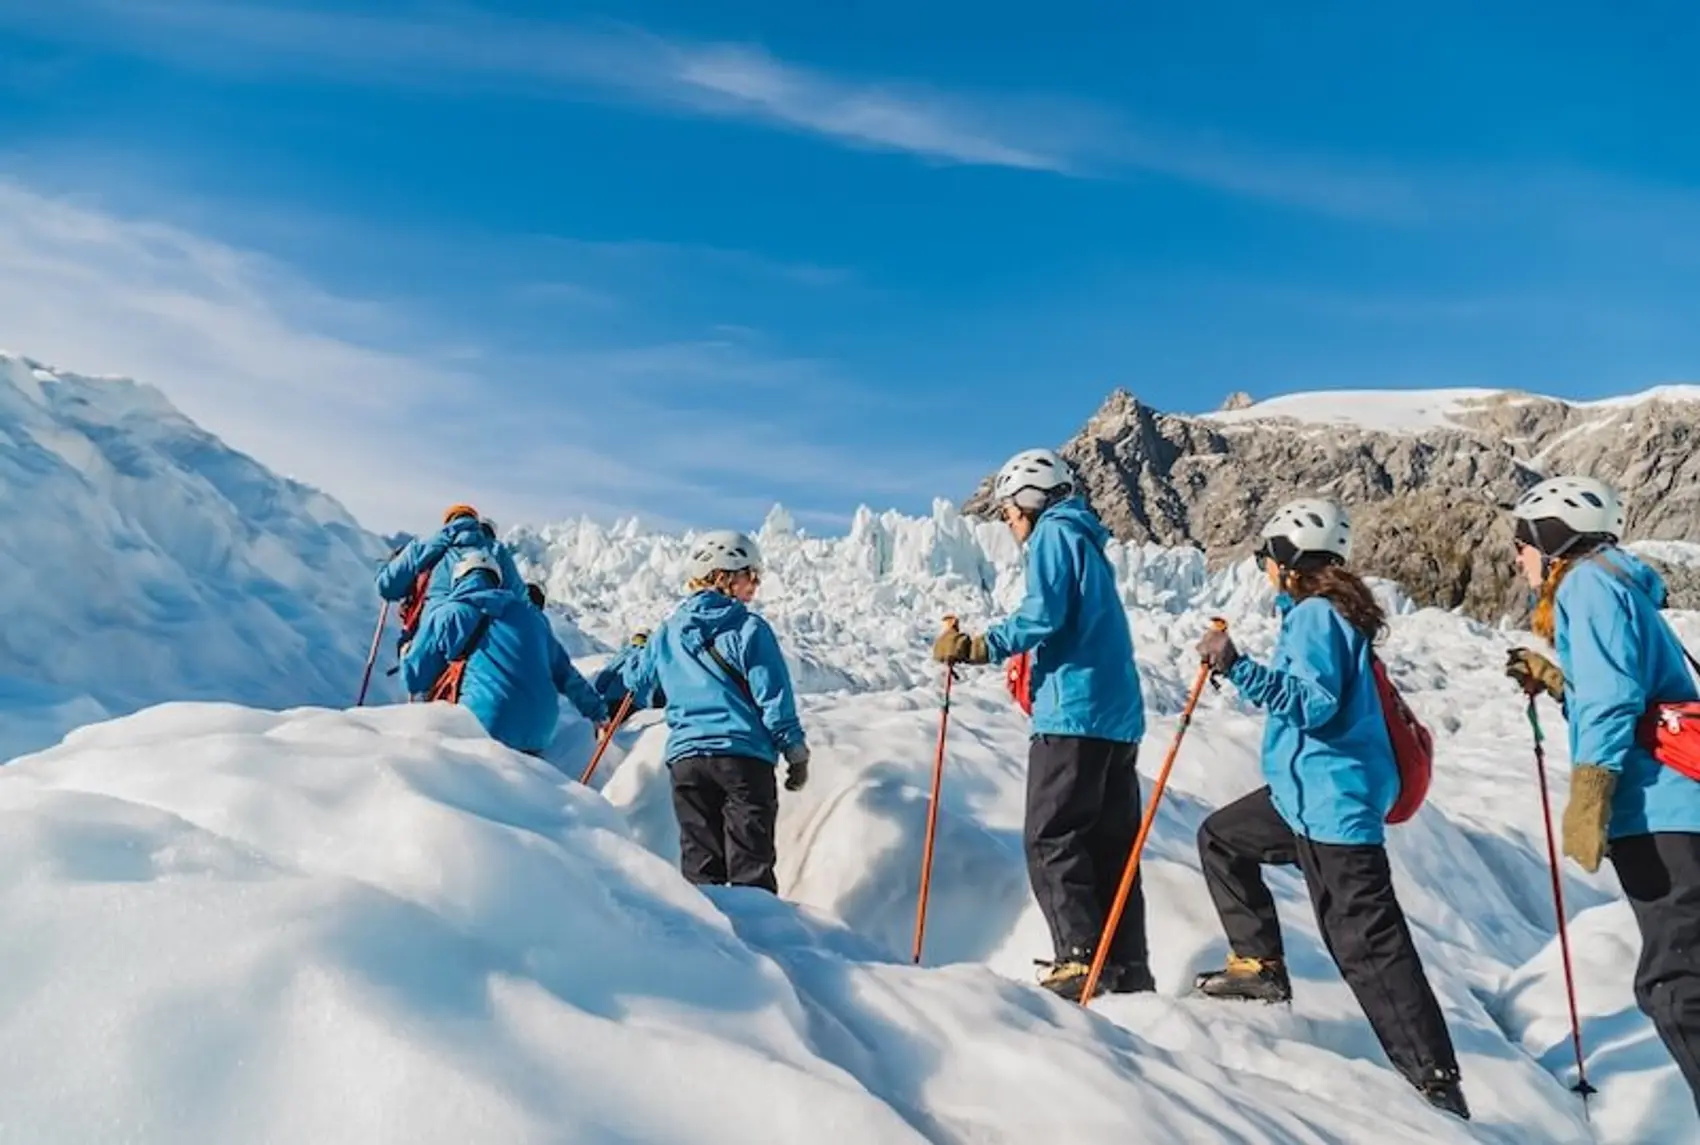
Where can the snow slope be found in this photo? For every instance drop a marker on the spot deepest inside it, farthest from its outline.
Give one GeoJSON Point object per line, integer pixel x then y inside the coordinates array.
{"type": "Point", "coordinates": [378, 927]}
{"type": "Point", "coordinates": [144, 561]}
{"type": "Point", "coordinates": [855, 614]}
{"type": "Point", "coordinates": [321, 926]}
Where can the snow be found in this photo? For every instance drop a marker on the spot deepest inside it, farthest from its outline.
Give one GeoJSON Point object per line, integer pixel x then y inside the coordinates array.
{"type": "Point", "coordinates": [1680, 553]}
{"type": "Point", "coordinates": [145, 561]}
{"type": "Point", "coordinates": [1415, 411]}
{"type": "Point", "coordinates": [317, 925]}
{"type": "Point", "coordinates": [1670, 393]}
{"type": "Point", "coordinates": [1390, 411]}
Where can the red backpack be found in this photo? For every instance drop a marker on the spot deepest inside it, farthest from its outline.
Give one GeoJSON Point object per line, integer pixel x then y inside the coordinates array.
{"type": "Point", "coordinates": [413, 604]}
{"type": "Point", "coordinates": [1413, 745]}
{"type": "Point", "coordinates": [1018, 678]}
{"type": "Point", "coordinates": [1671, 732]}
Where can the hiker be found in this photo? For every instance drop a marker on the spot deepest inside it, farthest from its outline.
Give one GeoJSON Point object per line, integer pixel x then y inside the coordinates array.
{"type": "Point", "coordinates": [731, 715]}
{"type": "Point", "coordinates": [610, 683]}
{"type": "Point", "coordinates": [1088, 712]}
{"type": "Point", "coordinates": [1599, 608]}
{"type": "Point", "coordinates": [435, 556]}
{"type": "Point", "coordinates": [1332, 779]}
{"type": "Point", "coordinates": [512, 665]}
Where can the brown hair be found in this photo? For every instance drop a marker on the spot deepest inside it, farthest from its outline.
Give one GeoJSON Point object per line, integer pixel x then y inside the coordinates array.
{"type": "Point", "coordinates": [1544, 623]}
{"type": "Point", "coordinates": [1345, 590]}
{"type": "Point", "coordinates": [719, 580]}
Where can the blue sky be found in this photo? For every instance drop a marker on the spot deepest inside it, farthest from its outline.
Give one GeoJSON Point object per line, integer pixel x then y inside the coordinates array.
{"type": "Point", "coordinates": [685, 260]}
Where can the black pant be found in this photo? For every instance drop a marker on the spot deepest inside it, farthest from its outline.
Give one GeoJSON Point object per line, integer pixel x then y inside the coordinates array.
{"type": "Point", "coordinates": [1661, 878]}
{"type": "Point", "coordinates": [1351, 888]}
{"type": "Point", "coordinates": [726, 806]}
{"type": "Point", "coordinates": [1082, 816]}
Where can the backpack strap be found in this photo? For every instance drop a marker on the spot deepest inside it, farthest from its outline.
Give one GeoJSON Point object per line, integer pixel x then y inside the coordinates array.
{"type": "Point", "coordinates": [447, 686]}
{"type": "Point", "coordinates": [736, 677]}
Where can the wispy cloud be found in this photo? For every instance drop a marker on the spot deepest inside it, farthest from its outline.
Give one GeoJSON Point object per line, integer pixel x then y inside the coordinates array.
{"type": "Point", "coordinates": [742, 82]}
{"type": "Point", "coordinates": [376, 405]}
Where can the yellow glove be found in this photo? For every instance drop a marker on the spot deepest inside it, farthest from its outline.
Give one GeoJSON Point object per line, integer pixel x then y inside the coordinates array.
{"type": "Point", "coordinates": [1535, 673]}
{"type": "Point", "coordinates": [1588, 814]}
{"type": "Point", "coordinates": [956, 647]}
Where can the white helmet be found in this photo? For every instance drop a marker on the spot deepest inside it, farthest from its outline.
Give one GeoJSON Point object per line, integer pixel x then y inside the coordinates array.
{"type": "Point", "coordinates": [1555, 514]}
{"type": "Point", "coordinates": [1032, 479]}
{"type": "Point", "coordinates": [723, 551]}
{"type": "Point", "coordinates": [1308, 527]}
{"type": "Point", "coordinates": [475, 561]}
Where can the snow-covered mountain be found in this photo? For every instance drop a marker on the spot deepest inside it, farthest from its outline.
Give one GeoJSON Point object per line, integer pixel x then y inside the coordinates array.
{"type": "Point", "coordinates": [145, 561]}
{"type": "Point", "coordinates": [1426, 472]}
{"type": "Point", "coordinates": [323, 926]}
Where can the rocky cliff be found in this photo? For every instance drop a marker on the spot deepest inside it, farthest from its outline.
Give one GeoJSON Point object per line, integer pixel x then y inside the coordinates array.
{"type": "Point", "coordinates": [1427, 476]}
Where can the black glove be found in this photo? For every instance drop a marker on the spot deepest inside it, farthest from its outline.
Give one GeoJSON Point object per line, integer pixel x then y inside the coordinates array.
{"type": "Point", "coordinates": [796, 766]}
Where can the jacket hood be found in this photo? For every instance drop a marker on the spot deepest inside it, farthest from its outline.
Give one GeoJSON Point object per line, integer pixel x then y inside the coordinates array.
{"type": "Point", "coordinates": [466, 532]}
{"type": "Point", "coordinates": [1636, 571]}
{"type": "Point", "coordinates": [480, 591]}
{"type": "Point", "coordinates": [707, 615]}
{"type": "Point", "coordinates": [1074, 513]}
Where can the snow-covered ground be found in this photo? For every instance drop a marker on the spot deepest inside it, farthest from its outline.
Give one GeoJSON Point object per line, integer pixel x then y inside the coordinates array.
{"type": "Point", "coordinates": [1413, 411]}
{"type": "Point", "coordinates": [323, 926]}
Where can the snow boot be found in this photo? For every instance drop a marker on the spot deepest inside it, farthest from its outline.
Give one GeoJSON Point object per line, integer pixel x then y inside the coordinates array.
{"type": "Point", "coordinates": [1066, 977]}
{"type": "Point", "coordinates": [1129, 979]}
{"type": "Point", "coordinates": [1440, 1089]}
{"type": "Point", "coordinates": [1247, 980]}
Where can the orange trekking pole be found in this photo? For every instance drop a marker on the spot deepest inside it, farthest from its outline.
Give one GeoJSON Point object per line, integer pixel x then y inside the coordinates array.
{"type": "Point", "coordinates": [933, 811]}
{"type": "Point", "coordinates": [1132, 870]}
{"type": "Point", "coordinates": [619, 717]}
{"type": "Point", "coordinates": [372, 656]}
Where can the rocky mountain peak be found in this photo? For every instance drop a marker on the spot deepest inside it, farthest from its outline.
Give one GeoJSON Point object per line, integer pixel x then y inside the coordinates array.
{"type": "Point", "coordinates": [1427, 474]}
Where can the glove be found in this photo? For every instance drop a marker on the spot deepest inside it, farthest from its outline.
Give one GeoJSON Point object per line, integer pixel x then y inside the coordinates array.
{"type": "Point", "coordinates": [955, 647]}
{"type": "Point", "coordinates": [640, 638]}
{"type": "Point", "coordinates": [1217, 650]}
{"type": "Point", "coordinates": [1588, 814]}
{"type": "Point", "coordinates": [796, 766]}
{"type": "Point", "coordinates": [1535, 673]}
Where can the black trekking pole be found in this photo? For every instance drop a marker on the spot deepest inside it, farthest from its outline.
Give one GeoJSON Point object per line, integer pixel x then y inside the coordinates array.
{"type": "Point", "coordinates": [1581, 1088]}
{"type": "Point", "coordinates": [372, 656]}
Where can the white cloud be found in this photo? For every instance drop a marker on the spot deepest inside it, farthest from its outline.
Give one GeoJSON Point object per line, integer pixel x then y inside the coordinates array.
{"type": "Point", "coordinates": [315, 385]}
{"type": "Point", "coordinates": [239, 343]}
{"type": "Point", "coordinates": [718, 80]}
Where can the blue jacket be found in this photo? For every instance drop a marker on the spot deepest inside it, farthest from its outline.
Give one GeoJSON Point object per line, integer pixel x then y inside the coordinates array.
{"type": "Point", "coordinates": [445, 548]}
{"type": "Point", "coordinates": [1619, 657]}
{"type": "Point", "coordinates": [514, 674]}
{"type": "Point", "coordinates": [707, 713]}
{"type": "Point", "coordinates": [1085, 680]}
{"type": "Point", "coordinates": [1326, 752]}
